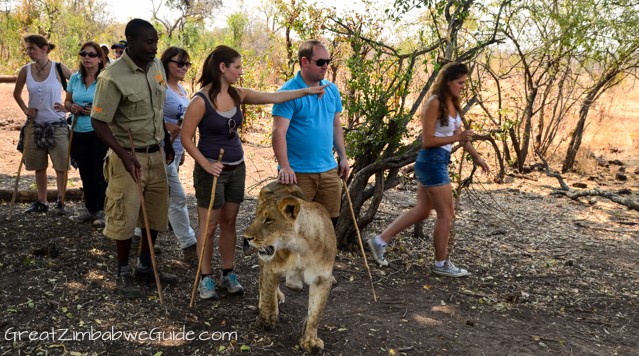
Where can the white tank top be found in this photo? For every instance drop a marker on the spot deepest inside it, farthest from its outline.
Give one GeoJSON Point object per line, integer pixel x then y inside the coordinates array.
{"type": "Point", "coordinates": [447, 131]}
{"type": "Point", "coordinates": [42, 96]}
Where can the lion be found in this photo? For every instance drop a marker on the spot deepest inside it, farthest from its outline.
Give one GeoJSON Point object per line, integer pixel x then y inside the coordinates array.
{"type": "Point", "coordinates": [294, 236]}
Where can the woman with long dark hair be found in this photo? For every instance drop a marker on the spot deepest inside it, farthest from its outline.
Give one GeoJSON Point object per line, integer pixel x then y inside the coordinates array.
{"type": "Point", "coordinates": [50, 132]}
{"type": "Point", "coordinates": [441, 126]}
{"type": "Point", "coordinates": [215, 110]}
{"type": "Point", "coordinates": [87, 149]}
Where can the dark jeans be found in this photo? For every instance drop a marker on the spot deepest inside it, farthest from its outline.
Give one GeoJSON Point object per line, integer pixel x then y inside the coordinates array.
{"type": "Point", "coordinates": [89, 151]}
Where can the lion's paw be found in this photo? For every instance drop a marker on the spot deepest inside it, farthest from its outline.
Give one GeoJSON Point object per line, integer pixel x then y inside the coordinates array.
{"type": "Point", "coordinates": [266, 321]}
{"type": "Point", "coordinates": [312, 345]}
{"type": "Point", "coordinates": [280, 296]}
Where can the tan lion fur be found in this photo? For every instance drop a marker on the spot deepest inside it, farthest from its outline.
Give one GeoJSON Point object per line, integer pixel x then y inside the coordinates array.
{"type": "Point", "coordinates": [303, 242]}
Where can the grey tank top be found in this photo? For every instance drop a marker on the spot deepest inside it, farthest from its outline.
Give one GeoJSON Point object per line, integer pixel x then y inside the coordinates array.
{"type": "Point", "coordinates": [215, 134]}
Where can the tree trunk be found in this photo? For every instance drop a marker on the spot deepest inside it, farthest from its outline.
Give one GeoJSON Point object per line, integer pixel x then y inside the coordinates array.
{"type": "Point", "coordinates": [591, 96]}
{"type": "Point", "coordinates": [27, 196]}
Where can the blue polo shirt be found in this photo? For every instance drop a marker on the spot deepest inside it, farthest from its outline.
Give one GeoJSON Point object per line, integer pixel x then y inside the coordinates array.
{"type": "Point", "coordinates": [309, 139]}
{"type": "Point", "coordinates": [81, 95]}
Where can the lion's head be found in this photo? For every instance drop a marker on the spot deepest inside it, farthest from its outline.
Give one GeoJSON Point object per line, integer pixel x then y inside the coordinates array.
{"type": "Point", "coordinates": [273, 227]}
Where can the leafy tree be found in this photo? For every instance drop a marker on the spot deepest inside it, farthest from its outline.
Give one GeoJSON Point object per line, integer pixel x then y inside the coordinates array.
{"type": "Point", "coordinates": [382, 78]}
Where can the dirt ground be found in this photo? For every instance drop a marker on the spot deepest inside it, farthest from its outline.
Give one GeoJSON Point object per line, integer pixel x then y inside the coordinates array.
{"type": "Point", "coordinates": [549, 275]}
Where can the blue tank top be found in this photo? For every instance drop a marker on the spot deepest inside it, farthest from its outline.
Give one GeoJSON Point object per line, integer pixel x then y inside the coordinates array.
{"type": "Point", "coordinates": [214, 134]}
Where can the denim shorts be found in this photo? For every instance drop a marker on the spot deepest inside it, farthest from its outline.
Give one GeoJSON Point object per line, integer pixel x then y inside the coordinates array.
{"type": "Point", "coordinates": [431, 167]}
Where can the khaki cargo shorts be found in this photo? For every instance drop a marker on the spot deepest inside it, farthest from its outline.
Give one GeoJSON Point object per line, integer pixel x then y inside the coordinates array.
{"type": "Point", "coordinates": [324, 188]}
{"type": "Point", "coordinates": [122, 203]}
{"type": "Point", "coordinates": [35, 159]}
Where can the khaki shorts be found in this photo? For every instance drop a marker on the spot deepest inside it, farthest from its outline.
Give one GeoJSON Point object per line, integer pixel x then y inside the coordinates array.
{"type": "Point", "coordinates": [229, 187]}
{"type": "Point", "coordinates": [122, 203]}
{"type": "Point", "coordinates": [324, 188]}
{"type": "Point", "coordinates": [35, 159]}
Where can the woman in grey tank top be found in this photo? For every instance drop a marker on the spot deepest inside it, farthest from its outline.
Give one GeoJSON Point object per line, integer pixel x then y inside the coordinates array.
{"type": "Point", "coordinates": [215, 110]}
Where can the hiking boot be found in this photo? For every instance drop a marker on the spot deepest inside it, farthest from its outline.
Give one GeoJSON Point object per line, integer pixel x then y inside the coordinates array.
{"type": "Point", "coordinates": [377, 251]}
{"type": "Point", "coordinates": [37, 207]}
{"type": "Point", "coordinates": [294, 283]}
{"type": "Point", "coordinates": [207, 288]}
{"type": "Point", "coordinates": [59, 208]}
{"type": "Point", "coordinates": [125, 284]}
{"type": "Point", "coordinates": [190, 254]}
{"type": "Point", "coordinates": [230, 283]}
{"type": "Point", "coordinates": [148, 276]}
{"type": "Point", "coordinates": [84, 217]}
{"type": "Point", "coordinates": [99, 219]}
{"type": "Point", "coordinates": [449, 270]}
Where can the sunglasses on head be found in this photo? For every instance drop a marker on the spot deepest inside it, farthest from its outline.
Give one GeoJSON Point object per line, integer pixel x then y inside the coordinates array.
{"type": "Point", "coordinates": [321, 62]}
{"type": "Point", "coordinates": [181, 64]}
{"type": "Point", "coordinates": [90, 54]}
{"type": "Point", "coordinates": [231, 127]}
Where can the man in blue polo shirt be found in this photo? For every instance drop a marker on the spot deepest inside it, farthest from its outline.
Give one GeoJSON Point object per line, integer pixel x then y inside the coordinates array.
{"type": "Point", "coordinates": [306, 130]}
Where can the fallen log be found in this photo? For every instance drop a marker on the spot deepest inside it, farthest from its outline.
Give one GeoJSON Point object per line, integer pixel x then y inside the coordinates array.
{"type": "Point", "coordinates": [8, 78]}
{"type": "Point", "coordinates": [27, 196]}
{"type": "Point", "coordinates": [575, 195]}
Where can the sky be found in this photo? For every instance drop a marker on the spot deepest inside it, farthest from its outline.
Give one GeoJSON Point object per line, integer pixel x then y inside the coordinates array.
{"type": "Point", "coordinates": [126, 9]}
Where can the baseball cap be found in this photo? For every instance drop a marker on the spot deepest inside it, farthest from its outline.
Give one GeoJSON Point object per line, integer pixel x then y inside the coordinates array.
{"type": "Point", "coordinates": [120, 44]}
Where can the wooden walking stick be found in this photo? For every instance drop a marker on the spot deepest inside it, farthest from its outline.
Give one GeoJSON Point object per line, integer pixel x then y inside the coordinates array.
{"type": "Point", "coordinates": [24, 150]}
{"type": "Point", "coordinates": [206, 231]}
{"type": "Point", "coordinates": [359, 239]}
{"type": "Point", "coordinates": [146, 224]}
{"type": "Point", "coordinates": [66, 166]}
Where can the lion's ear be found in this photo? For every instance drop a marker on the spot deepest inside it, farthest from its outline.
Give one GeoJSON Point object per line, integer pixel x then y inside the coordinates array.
{"type": "Point", "coordinates": [289, 207]}
{"type": "Point", "coordinates": [265, 192]}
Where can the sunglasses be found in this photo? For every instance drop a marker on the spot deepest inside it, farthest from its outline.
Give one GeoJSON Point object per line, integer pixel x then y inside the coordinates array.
{"type": "Point", "coordinates": [321, 62]}
{"type": "Point", "coordinates": [90, 54]}
{"type": "Point", "coordinates": [181, 64]}
{"type": "Point", "coordinates": [231, 127]}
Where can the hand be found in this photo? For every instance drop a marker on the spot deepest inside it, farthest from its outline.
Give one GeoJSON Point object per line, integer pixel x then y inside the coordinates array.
{"type": "Point", "coordinates": [59, 107]}
{"type": "Point", "coordinates": [132, 166]}
{"type": "Point", "coordinates": [86, 111]}
{"type": "Point", "coordinates": [344, 169]}
{"type": "Point", "coordinates": [173, 129]}
{"type": "Point", "coordinates": [169, 153]}
{"type": "Point", "coordinates": [319, 91]}
{"type": "Point", "coordinates": [214, 168]}
{"type": "Point", "coordinates": [286, 176]}
{"type": "Point", "coordinates": [76, 109]}
{"type": "Point", "coordinates": [32, 112]}
{"type": "Point", "coordinates": [465, 135]}
{"type": "Point", "coordinates": [480, 162]}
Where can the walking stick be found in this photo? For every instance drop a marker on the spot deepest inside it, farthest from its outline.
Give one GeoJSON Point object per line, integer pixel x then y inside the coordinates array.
{"type": "Point", "coordinates": [146, 223]}
{"type": "Point", "coordinates": [359, 239]}
{"type": "Point", "coordinates": [206, 230]}
{"type": "Point", "coordinates": [24, 150]}
{"type": "Point", "coordinates": [66, 166]}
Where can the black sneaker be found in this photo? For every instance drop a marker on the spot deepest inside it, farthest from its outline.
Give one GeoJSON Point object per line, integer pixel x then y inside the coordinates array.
{"type": "Point", "coordinates": [59, 208]}
{"type": "Point", "coordinates": [190, 254]}
{"type": "Point", "coordinates": [38, 207]}
{"type": "Point", "coordinates": [149, 276]}
{"type": "Point", "coordinates": [125, 284]}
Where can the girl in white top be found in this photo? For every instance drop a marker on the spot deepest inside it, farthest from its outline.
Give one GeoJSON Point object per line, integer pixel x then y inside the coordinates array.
{"type": "Point", "coordinates": [47, 112]}
{"type": "Point", "coordinates": [439, 130]}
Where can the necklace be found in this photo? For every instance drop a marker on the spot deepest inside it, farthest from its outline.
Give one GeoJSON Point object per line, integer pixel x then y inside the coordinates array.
{"type": "Point", "coordinates": [41, 69]}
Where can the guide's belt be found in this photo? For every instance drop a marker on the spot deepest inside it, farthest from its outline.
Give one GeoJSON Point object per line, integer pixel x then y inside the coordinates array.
{"type": "Point", "coordinates": [149, 149]}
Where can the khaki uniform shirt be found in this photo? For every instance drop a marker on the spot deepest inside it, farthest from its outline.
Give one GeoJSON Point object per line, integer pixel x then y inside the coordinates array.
{"type": "Point", "coordinates": [128, 98]}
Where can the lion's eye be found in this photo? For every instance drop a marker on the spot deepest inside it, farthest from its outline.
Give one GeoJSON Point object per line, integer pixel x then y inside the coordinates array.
{"type": "Point", "coordinates": [268, 221]}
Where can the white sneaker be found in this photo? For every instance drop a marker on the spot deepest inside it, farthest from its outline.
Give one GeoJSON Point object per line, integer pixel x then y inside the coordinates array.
{"type": "Point", "coordinates": [449, 270]}
{"type": "Point", "coordinates": [377, 251]}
